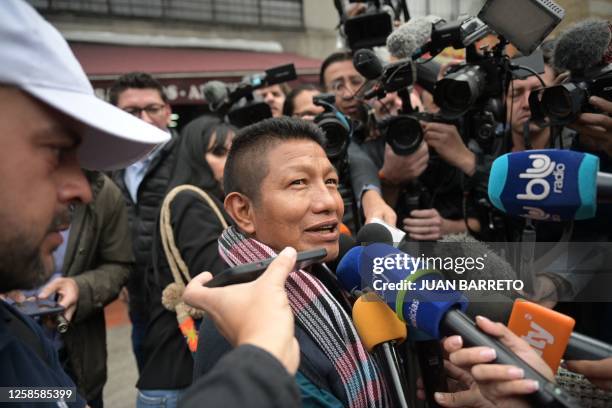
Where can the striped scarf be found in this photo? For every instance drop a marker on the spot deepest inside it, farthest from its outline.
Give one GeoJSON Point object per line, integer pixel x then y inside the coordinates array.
{"type": "Point", "coordinates": [323, 319]}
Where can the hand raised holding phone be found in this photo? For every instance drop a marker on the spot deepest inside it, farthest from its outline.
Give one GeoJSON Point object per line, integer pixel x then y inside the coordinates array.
{"type": "Point", "coordinates": [256, 313]}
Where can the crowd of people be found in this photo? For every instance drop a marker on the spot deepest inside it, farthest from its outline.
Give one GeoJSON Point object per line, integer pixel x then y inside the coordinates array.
{"type": "Point", "coordinates": [102, 200]}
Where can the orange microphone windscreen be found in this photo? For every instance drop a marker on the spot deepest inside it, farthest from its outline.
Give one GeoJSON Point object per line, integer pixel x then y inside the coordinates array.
{"type": "Point", "coordinates": [546, 330]}
{"type": "Point", "coordinates": [376, 323]}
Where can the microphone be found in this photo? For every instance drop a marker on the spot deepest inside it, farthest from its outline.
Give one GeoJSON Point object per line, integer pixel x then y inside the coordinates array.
{"type": "Point", "coordinates": [552, 185]}
{"type": "Point", "coordinates": [409, 37]}
{"type": "Point", "coordinates": [550, 334]}
{"type": "Point", "coordinates": [215, 93]}
{"type": "Point", "coordinates": [368, 64]}
{"type": "Point", "coordinates": [345, 243]}
{"type": "Point", "coordinates": [380, 330]}
{"type": "Point", "coordinates": [582, 46]}
{"type": "Point", "coordinates": [424, 300]}
{"type": "Point", "coordinates": [374, 232]}
{"type": "Point", "coordinates": [369, 233]}
{"type": "Point", "coordinates": [581, 347]}
{"type": "Point", "coordinates": [546, 331]}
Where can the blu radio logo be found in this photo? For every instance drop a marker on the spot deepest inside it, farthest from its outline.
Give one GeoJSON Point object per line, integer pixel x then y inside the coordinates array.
{"type": "Point", "coordinates": [538, 187]}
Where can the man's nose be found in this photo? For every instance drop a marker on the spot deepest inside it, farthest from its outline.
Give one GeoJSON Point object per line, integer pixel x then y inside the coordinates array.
{"type": "Point", "coordinates": [324, 199]}
{"type": "Point", "coordinates": [73, 186]}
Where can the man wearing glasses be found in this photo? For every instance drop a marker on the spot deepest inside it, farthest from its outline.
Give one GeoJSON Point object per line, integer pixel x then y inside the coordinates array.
{"type": "Point", "coordinates": [143, 185]}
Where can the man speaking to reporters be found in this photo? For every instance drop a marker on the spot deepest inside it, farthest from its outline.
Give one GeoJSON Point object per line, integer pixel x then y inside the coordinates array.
{"type": "Point", "coordinates": [281, 190]}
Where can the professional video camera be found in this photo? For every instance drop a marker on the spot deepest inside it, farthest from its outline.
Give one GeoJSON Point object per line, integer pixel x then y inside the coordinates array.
{"type": "Point", "coordinates": [563, 103]}
{"type": "Point", "coordinates": [336, 126]}
{"type": "Point", "coordinates": [370, 28]}
{"type": "Point", "coordinates": [581, 50]}
{"type": "Point", "coordinates": [474, 90]}
{"type": "Point", "coordinates": [227, 101]}
{"type": "Point", "coordinates": [402, 132]}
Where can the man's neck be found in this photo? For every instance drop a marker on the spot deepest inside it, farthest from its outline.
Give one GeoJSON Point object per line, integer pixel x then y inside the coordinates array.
{"type": "Point", "coordinates": [538, 140]}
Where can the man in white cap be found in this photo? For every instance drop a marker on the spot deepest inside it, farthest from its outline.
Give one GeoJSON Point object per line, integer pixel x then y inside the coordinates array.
{"type": "Point", "coordinates": [51, 125]}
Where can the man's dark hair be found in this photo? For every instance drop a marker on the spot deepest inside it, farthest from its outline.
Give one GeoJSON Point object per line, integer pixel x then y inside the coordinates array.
{"type": "Point", "coordinates": [338, 56]}
{"type": "Point", "coordinates": [137, 80]}
{"type": "Point", "coordinates": [247, 165]}
{"type": "Point", "coordinates": [289, 105]}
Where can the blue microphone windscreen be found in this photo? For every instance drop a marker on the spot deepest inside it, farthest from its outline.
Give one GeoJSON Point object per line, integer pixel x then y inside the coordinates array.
{"type": "Point", "coordinates": [419, 297]}
{"type": "Point", "coordinates": [552, 185]}
{"type": "Point", "coordinates": [587, 187]}
{"type": "Point", "coordinates": [348, 269]}
{"type": "Point", "coordinates": [497, 181]}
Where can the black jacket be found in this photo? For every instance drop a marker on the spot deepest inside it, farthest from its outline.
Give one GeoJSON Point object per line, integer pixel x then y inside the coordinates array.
{"type": "Point", "coordinates": [142, 217]}
{"type": "Point", "coordinates": [246, 377]}
{"type": "Point", "coordinates": [28, 358]}
{"type": "Point", "coordinates": [196, 230]}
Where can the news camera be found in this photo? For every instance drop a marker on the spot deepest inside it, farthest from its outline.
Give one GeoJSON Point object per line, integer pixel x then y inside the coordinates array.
{"type": "Point", "coordinates": [238, 102]}
{"type": "Point", "coordinates": [402, 132]}
{"type": "Point", "coordinates": [563, 103]}
{"type": "Point", "coordinates": [475, 89]}
{"type": "Point", "coordinates": [336, 127]}
{"type": "Point", "coordinates": [372, 27]}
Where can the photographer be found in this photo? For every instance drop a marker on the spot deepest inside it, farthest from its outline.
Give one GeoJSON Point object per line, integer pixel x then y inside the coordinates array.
{"type": "Point", "coordinates": [339, 76]}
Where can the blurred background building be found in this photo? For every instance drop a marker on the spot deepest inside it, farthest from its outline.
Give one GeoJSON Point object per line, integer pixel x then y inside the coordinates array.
{"type": "Point", "coordinates": [185, 43]}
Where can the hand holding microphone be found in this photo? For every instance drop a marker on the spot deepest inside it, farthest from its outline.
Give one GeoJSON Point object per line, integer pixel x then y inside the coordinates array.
{"type": "Point", "coordinates": [501, 384]}
{"type": "Point", "coordinates": [256, 313]}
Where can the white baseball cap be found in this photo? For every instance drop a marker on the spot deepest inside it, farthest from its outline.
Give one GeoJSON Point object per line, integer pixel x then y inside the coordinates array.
{"type": "Point", "coordinates": [35, 58]}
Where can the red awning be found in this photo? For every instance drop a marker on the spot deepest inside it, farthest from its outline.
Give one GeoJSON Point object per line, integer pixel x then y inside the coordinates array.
{"type": "Point", "coordinates": [183, 71]}
{"type": "Point", "coordinates": [102, 61]}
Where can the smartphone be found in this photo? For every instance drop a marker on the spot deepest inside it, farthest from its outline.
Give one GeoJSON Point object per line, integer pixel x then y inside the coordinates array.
{"type": "Point", "coordinates": [250, 272]}
{"type": "Point", "coordinates": [39, 307]}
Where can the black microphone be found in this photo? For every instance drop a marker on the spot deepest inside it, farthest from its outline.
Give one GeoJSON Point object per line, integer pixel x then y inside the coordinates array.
{"type": "Point", "coordinates": [374, 232]}
{"type": "Point", "coordinates": [581, 347]}
{"type": "Point", "coordinates": [345, 243]}
{"type": "Point", "coordinates": [368, 64]}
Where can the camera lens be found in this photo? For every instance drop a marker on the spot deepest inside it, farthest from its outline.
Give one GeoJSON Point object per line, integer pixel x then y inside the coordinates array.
{"type": "Point", "coordinates": [404, 134]}
{"type": "Point", "coordinates": [458, 91]}
{"type": "Point", "coordinates": [563, 101]}
{"type": "Point", "coordinates": [336, 135]}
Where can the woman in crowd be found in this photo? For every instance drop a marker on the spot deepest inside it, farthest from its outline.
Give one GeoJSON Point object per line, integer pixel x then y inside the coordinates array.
{"type": "Point", "coordinates": [192, 219]}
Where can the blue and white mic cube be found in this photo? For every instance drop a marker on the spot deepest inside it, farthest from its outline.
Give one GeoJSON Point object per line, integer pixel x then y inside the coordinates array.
{"type": "Point", "coordinates": [548, 185]}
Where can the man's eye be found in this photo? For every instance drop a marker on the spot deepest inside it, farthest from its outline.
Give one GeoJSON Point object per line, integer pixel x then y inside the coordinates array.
{"type": "Point", "coordinates": [58, 152]}
{"type": "Point", "coordinates": [332, 181]}
{"type": "Point", "coordinates": [298, 182]}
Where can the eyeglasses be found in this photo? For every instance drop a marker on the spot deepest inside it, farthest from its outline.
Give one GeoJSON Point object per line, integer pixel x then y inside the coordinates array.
{"type": "Point", "coordinates": [341, 86]}
{"type": "Point", "coordinates": [151, 110]}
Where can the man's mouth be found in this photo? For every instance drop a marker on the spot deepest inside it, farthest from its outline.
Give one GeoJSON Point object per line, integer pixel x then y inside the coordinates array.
{"type": "Point", "coordinates": [324, 227]}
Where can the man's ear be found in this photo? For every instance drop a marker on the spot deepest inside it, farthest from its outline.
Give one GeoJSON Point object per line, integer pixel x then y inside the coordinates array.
{"type": "Point", "coordinates": [240, 208]}
{"type": "Point", "coordinates": [168, 110]}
